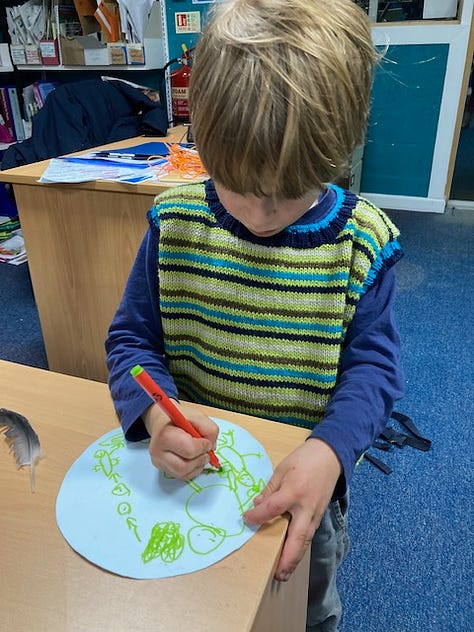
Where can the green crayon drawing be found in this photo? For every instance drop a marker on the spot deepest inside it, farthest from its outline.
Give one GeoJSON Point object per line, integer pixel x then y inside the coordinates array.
{"type": "Point", "coordinates": [165, 541]}
{"type": "Point", "coordinates": [124, 508]}
{"type": "Point", "coordinates": [107, 464]}
{"type": "Point", "coordinates": [207, 536]}
{"type": "Point", "coordinates": [115, 441]}
{"type": "Point", "coordinates": [132, 525]}
{"type": "Point", "coordinates": [208, 532]}
{"type": "Point", "coordinates": [203, 540]}
{"type": "Point", "coordinates": [121, 490]}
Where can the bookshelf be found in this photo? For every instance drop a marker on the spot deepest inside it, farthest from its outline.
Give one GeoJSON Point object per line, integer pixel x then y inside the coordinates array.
{"type": "Point", "coordinates": [143, 68]}
{"type": "Point", "coordinates": [86, 47]}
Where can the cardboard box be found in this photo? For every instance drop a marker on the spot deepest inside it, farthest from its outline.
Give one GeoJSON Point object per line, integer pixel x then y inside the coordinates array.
{"type": "Point", "coordinates": [83, 50]}
{"type": "Point", "coordinates": [108, 17]}
{"type": "Point", "coordinates": [88, 51]}
{"type": "Point", "coordinates": [135, 54]}
{"type": "Point", "coordinates": [49, 52]}
{"type": "Point", "coordinates": [153, 41]}
{"type": "Point", "coordinates": [5, 58]}
{"type": "Point", "coordinates": [117, 53]}
{"type": "Point", "coordinates": [17, 52]}
{"type": "Point", "coordinates": [85, 11]}
{"type": "Point", "coordinates": [32, 54]}
{"type": "Point", "coordinates": [152, 50]}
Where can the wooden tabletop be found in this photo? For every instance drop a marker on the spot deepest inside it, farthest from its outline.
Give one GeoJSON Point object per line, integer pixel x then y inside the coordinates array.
{"type": "Point", "coordinates": [30, 173]}
{"type": "Point", "coordinates": [46, 587]}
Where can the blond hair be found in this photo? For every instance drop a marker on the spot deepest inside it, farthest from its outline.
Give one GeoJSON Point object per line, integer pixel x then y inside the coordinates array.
{"type": "Point", "coordinates": [280, 93]}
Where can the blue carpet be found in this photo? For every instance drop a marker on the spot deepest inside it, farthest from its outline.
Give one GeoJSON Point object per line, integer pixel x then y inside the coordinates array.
{"type": "Point", "coordinates": [410, 568]}
{"type": "Point", "coordinates": [20, 332]}
{"type": "Point", "coordinates": [411, 564]}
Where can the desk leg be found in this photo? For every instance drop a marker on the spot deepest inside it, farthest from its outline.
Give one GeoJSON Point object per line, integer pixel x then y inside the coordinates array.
{"type": "Point", "coordinates": [283, 607]}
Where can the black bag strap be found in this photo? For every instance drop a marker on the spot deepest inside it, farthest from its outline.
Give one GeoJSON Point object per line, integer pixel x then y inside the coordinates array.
{"type": "Point", "coordinates": [418, 441]}
{"type": "Point", "coordinates": [379, 464]}
{"type": "Point", "coordinates": [390, 437]}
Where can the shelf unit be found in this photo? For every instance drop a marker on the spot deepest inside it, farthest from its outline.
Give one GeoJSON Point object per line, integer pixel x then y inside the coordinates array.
{"type": "Point", "coordinates": [155, 47]}
{"type": "Point", "coordinates": [109, 67]}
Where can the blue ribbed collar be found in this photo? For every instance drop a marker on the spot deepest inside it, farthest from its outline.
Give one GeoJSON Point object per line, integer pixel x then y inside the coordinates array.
{"type": "Point", "coordinates": [321, 224]}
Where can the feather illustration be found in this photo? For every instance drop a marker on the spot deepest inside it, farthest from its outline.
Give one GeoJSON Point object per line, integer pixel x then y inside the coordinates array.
{"type": "Point", "coordinates": [23, 440]}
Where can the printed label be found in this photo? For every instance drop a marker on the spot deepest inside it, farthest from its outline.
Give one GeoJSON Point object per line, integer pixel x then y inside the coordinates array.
{"type": "Point", "coordinates": [188, 22]}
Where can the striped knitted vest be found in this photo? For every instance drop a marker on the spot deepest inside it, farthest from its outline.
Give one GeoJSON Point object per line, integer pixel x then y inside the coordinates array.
{"type": "Point", "coordinates": [258, 328]}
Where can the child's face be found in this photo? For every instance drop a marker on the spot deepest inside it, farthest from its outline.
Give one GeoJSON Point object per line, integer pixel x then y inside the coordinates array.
{"type": "Point", "coordinates": [265, 216]}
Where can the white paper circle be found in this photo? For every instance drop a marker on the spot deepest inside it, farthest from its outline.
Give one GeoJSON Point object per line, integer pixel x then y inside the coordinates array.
{"type": "Point", "coordinates": [121, 513]}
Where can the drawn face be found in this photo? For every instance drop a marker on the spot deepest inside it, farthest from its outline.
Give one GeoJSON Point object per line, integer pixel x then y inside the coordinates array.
{"type": "Point", "coordinates": [265, 216]}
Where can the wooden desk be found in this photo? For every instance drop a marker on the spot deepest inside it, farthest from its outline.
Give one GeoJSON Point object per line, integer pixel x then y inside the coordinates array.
{"type": "Point", "coordinates": [47, 587]}
{"type": "Point", "coordinates": [81, 241]}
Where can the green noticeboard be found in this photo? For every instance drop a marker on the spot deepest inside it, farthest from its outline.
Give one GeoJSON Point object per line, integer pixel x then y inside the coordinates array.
{"type": "Point", "coordinates": [402, 129]}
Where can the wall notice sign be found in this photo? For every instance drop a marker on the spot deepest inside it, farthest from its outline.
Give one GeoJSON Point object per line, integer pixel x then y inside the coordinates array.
{"type": "Point", "coordinates": [187, 22]}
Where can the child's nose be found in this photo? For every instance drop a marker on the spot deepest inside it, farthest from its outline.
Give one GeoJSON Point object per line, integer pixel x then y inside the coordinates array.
{"type": "Point", "coordinates": [265, 207]}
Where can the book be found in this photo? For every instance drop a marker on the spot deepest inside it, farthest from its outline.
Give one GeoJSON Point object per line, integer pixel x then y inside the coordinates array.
{"type": "Point", "coordinates": [180, 162]}
{"type": "Point", "coordinates": [30, 105]}
{"type": "Point", "coordinates": [8, 225]}
{"type": "Point", "coordinates": [151, 148]}
{"type": "Point", "coordinates": [41, 89]}
{"type": "Point", "coordinates": [34, 96]}
{"type": "Point", "coordinates": [7, 130]}
{"type": "Point", "coordinates": [16, 113]}
{"type": "Point", "coordinates": [44, 88]}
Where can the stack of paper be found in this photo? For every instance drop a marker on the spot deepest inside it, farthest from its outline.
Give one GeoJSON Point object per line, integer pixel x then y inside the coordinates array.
{"type": "Point", "coordinates": [12, 250]}
{"type": "Point", "coordinates": [130, 165]}
{"type": "Point", "coordinates": [75, 170]}
{"type": "Point", "coordinates": [8, 226]}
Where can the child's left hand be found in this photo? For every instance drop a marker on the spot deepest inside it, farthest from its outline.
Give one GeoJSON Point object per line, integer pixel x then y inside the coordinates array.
{"type": "Point", "coordinates": [302, 485]}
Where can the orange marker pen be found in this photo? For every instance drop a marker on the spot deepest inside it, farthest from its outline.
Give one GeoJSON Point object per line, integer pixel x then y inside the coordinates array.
{"type": "Point", "coordinates": [161, 398]}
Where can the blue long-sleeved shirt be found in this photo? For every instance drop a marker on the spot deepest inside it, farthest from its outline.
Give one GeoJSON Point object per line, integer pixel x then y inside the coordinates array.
{"type": "Point", "coordinates": [370, 375]}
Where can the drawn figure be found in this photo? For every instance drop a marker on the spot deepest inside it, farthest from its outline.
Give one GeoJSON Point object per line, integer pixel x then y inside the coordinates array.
{"type": "Point", "coordinates": [208, 535]}
{"type": "Point", "coordinates": [115, 442]}
{"type": "Point", "coordinates": [235, 469]}
{"type": "Point", "coordinates": [121, 490]}
{"type": "Point", "coordinates": [124, 508]}
{"type": "Point", "coordinates": [106, 464]}
{"type": "Point", "coordinates": [204, 540]}
{"type": "Point", "coordinates": [113, 499]}
{"type": "Point", "coordinates": [211, 527]}
{"type": "Point", "coordinates": [165, 541]}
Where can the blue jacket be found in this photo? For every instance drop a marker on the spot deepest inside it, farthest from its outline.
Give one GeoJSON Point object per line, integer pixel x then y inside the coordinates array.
{"type": "Point", "coordinates": [85, 114]}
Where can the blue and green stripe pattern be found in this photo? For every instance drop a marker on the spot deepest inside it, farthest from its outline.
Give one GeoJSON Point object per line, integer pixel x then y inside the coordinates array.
{"type": "Point", "coordinates": [258, 328]}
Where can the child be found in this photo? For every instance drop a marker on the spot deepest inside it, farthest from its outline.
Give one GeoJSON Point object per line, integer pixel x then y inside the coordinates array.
{"type": "Point", "coordinates": [266, 290]}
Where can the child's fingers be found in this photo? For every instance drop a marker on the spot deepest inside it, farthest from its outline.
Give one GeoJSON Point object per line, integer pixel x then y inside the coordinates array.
{"type": "Point", "coordinates": [184, 445]}
{"type": "Point", "coordinates": [298, 539]}
{"type": "Point", "coordinates": [268, 507]}
{"type": "Point", "coordinates": [202, 423]}
{"type": "Point", "coordinates": [175, 465]}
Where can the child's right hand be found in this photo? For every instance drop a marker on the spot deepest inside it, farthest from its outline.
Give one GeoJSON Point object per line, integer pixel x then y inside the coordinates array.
{"type": "Point", "coordinates": [173, 450]}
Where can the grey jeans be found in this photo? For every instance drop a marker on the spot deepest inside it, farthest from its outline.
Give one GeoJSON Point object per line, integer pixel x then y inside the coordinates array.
{"type": "Point", "coordinates": [328, 548]}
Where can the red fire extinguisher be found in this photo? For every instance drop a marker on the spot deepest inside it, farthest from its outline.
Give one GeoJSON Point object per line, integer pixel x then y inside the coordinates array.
{"type": "Point", "coordinates": [180, 88]}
